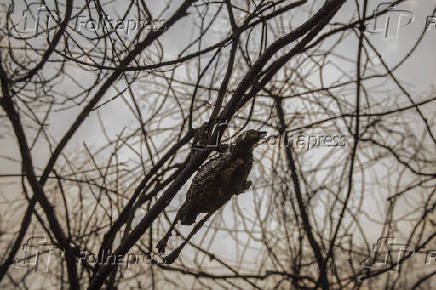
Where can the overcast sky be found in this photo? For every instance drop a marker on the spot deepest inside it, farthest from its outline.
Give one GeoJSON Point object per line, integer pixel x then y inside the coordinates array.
{"type": "Point", "coordinates": [418, 73]}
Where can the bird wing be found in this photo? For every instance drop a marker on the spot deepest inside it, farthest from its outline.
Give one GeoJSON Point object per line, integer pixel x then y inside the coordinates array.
{"type": "Point", "coordinates": [210, 169]}
{"type": "Point", "coordinates": [207, 174]}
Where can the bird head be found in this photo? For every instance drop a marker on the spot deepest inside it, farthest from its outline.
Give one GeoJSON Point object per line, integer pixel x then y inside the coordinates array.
{"type": "Point", "coordinates": [250, 137]}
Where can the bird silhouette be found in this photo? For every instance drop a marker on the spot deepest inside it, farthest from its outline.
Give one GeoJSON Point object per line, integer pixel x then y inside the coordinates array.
{"type": "Point", "coordinates": [222, 177]}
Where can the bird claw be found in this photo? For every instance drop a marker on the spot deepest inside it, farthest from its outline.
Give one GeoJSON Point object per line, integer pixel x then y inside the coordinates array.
{"type": "Point", "coordinates": [248, 185]}
{"type": "Point", "coordinates": [162, 245]}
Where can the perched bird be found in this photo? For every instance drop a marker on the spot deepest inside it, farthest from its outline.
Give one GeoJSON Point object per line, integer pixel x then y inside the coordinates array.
{"type": "Point", "coordinates": [217, 181]}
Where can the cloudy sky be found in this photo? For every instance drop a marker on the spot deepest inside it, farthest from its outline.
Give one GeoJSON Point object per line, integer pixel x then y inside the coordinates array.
{"type": "Point", "coordinates": [407, 22]}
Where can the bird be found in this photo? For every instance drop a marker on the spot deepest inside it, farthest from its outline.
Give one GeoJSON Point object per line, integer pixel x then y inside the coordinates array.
{"type": "Point", "coordinates": [222, 177]}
